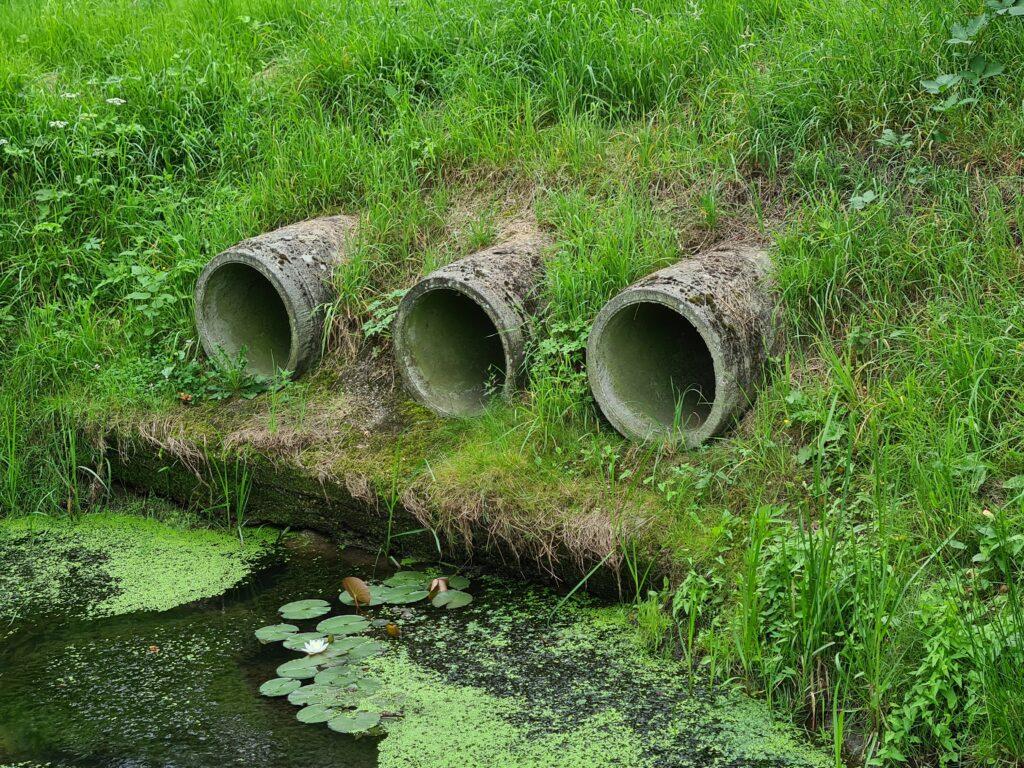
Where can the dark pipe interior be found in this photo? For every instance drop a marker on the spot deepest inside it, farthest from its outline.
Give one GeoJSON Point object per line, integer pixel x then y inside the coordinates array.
{"type": "Point", "coordinates": [243, 311]}
{"type": "Point", "coordinates": [455, 349]}
{"type": "Point", "coordinates": [658, 366]}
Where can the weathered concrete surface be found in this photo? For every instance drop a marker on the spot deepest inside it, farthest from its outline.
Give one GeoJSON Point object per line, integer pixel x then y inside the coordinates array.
{"type": "Point", "coordinates": [678, 355]}
{"type": "Point", "coordinates": [461, 333]}
{"type": "Point", "coordinates": [264, 295]}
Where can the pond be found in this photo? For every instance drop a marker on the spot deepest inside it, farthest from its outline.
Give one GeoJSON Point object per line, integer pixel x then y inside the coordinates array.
{"type": "Point", "coordinates": [501, 682]}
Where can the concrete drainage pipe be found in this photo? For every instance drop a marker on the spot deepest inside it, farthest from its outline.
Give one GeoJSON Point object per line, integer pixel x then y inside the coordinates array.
{"type": "Point", "coordinates": [675, 357]}
{"type": "Point", "coordinates": [262, 296]}
{"type": "Point", "coordinates": [461, 333]}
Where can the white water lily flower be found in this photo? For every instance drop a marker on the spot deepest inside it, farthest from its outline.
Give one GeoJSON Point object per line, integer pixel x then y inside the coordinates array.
{"type": "Point", "coordinates": [314, 647]}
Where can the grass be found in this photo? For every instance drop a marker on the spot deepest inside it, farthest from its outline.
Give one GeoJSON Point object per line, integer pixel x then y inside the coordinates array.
{"type": "Point", "coordinates": [839, 528]}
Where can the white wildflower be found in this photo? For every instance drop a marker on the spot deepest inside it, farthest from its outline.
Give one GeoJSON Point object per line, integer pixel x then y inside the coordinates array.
{"type": "Point", "coordinates": [70, 95]}
{"type": "Point", "coordinates": [4, 142]}
{"type": "Point", "coordinates": [58, 123]}
{"type": "Point", "coordinates": [116, 101]}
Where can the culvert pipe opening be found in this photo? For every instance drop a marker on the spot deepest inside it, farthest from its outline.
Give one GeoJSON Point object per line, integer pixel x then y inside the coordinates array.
{"type": "Point", "coordinates": [460, 333]}
{"type": "Point", "coordinates": [264, 297]}
{"type": "Point", "coordinates": [678, 356]}
{"type": "Point", "coordinates": [242, 313]}
{"type": "Point", "coordinates": [659, 374]}
{"type": "Point", "coordinates": [451, 352]}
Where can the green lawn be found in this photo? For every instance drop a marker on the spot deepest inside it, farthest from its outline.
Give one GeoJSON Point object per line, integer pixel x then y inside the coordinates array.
{"type": "Point", "coordinates": [854, 547]}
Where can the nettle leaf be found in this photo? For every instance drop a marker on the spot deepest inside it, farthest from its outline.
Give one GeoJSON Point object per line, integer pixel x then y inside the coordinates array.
{"type": "Point", "coordinates": [275, 633]}
{"type": "Point", "coordinates": [348, 624]}
{"type": "Point", "coordinates": [453, 598]}
{"type": "Point", "coordinates": [354, 722]}
{"type": "Point", "coordinates": [964, 33]}
{"type": "Point", "coordinates": [279, 686]}
{"type": "Point", "coordinates": [304, 609]}
{"type": "Point", "coordinates": [941, 83]}
{"type": "Point", "coordinates": [982, 68]}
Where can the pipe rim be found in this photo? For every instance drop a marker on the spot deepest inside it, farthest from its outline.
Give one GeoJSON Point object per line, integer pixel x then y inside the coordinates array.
{"type": "Point", "coordinates": [228, 258]}
{"type": "Point", "coordinates": [626, 420]}
{"type": "Point", "coordinates": [508, 334]}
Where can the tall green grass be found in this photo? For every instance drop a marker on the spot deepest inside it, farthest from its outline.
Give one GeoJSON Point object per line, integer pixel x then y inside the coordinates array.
{"type": "Point", "coordinates": [842, 522]}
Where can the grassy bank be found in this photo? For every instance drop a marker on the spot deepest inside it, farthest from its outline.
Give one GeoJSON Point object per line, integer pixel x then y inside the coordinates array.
{"type": "Point", "coordinates": [859, 533]}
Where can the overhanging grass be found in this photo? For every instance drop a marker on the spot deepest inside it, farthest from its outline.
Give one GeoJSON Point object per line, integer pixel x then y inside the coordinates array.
{"type": "Point", "coordinates": [140, 139]}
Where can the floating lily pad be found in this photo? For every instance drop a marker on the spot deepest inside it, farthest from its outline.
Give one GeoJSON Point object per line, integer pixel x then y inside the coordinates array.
{"type": "Point", "coordinates": [404, 595]}
{"type": "Point", "coordinates": [458, 582]}
{"type": "Point", "coordinates": [307, 694]}
{"type": "Point", "coordinates": [361, 687]}
{"type": "Point", "coordinates": [295, 642]}
{"type": "Point", "coordinates": [377, 592]}
{"type": "Point", "coordinates": [332, 695]}
{"type": "Point", "coordinates": [299, 669]}
{"type": "Point", "coordinates": [354, 722]}
{"type": "Point", "coordinates": [416, 579]}
{"type": "Point", "coordinates": [364, 650]}
{"type": "Point", "coordinates": [304, 609]}
{"type": "Point", "coordinates": [316, 713]}
{"type": "Point", "coordinates": [275, 633]}
{"type": "Point", "coordinates": [279, 686]}
{"type": "Point", "coordinates": [337, 676]}
{"type": "Point", "coordinates": [453, 598]}
{"type": "Point", "coordinates": [348, 624]}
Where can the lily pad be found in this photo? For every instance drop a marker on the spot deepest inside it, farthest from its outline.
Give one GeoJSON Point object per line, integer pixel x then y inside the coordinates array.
{"type": "Point", "coordinates": [304, 609]}
{"type": "Point", "coordinates": [307, 694]}
{"type": "Point", "coordinates": [416, 579]}
{"type": "Point", "coordinates": [275, 633]}
{"type": "Point", "coordinates": [377, 592]}
{"type": "Point", "coordinates": [299, 669]}
{"type": "Point", "coordinates": [316, 713]}
{"type": "Point", "coordinates": [458, 582]}
{"type": "Point", "coordinates": [332, 695]}
{"type": "Point", "coordinates": [364, 650]}
{"type": "Point", "coordinates": [354, 722]}
{"type": "Point", "coordinates": [363, 686]}
{"type": "Point", "coordinates": [337, 676]}
{"type": "Point", "coordinates": [347, 624]}
{"type": "Point", "coordinates": [453, 598]}
{"type": "Point", "coordinates": [295, 642]}
{"type": "Point", "coordinates": [279, 686]}
{"type": "Point", "coordinates": [404, 595]}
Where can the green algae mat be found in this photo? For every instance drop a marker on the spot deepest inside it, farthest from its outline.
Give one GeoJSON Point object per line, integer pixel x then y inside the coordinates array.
{"type": "Point", "coordinates": [106, 564]}
{"type": "Point", "coordinates": [169, 673]}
